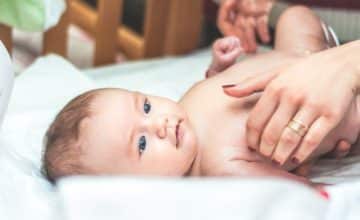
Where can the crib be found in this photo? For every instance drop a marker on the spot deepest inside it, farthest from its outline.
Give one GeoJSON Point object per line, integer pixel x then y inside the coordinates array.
{"type": "Point", "coordinates": [170, 27]}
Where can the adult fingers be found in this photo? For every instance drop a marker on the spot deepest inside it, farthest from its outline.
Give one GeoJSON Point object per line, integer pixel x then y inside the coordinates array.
{"type": "Point", "coordinates": [263, 29]}
{"type": "Point", "coordinates": [249, 30]}
{"type": "Point", "coordinates": [290, 139]}
{"type": "Point", "coordinates": [240, 33]}
{"type": "Point", "coordinates": [223, 20]}
{"type": "Point", "coordinates": [258, 117]}
{"type": "Point", "coordinates": [275, 127]}
{"type": "Point", "coordinates": [250, 85]}
{"type": "Point", "coordinates": [318, 130]}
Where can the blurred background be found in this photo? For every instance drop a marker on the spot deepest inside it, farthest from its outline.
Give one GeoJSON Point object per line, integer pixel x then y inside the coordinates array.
{"type": "Point", "coordinates": [93, 33]}
{"type": "Point", "coordinates": [81, 34]}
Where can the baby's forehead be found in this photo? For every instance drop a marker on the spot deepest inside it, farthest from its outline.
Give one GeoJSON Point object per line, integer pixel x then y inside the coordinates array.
{"type": "Point", "coordinates": [108, 96]}
{"type": "Point", "coordinates": [112, 113]}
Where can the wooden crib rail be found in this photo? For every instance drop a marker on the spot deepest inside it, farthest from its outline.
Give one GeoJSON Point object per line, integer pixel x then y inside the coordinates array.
{"type": "Point", "coordinates": [6, 37]}
{"type": "Point", "coordinates": [54, 40]}
{"type": "Point", "coordinates": [170, 27]}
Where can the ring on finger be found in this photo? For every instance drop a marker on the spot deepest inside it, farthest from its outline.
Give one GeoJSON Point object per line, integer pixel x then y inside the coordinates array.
{"type": "Point", "coordinates": [298, 127]}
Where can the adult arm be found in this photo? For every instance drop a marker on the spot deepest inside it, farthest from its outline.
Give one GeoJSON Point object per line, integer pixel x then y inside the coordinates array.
{"type": "Point", "coordinates": [245, 19]}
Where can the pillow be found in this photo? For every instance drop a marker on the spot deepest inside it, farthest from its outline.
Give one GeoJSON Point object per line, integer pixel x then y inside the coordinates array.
{"type": "Point", "coordinates": [49, 83]}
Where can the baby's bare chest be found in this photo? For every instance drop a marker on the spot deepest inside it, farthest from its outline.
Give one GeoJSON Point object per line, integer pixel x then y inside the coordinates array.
{"type": "Point", "coordinates": [219, 123]}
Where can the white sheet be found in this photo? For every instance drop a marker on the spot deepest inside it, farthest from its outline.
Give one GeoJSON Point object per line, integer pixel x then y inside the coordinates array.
{"type": "Point", "coordinates": [163, 199]}
{"type": "Point", "coordinates": [345, 202]}
{"type": "Point", "coordinates": [46, 86]}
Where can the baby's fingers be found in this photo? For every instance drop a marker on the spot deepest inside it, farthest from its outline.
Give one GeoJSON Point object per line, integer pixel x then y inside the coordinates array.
{"type": "Point", "coordinates": [233, 54]}
{"type": "Point", "coordinates": [342, 149]}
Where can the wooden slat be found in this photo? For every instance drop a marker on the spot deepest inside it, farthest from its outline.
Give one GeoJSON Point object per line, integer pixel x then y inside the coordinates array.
{"type": "Point", "coordinates": [83, 15]}
{"type": "Point", "coordinates": [184, 26]}
{"type": "Point", "coordinates": [131, 43]}
{"type": "Point", "coordinates": [56, 40]}
{"type": "Point", "coordinates": [6, 37]}
{"type": "Point", "coordinates": [171, 27]}
{"type": "Point", "coordinates": [105, 34]}
{"type": "Point", "coordinates": [156, 17]}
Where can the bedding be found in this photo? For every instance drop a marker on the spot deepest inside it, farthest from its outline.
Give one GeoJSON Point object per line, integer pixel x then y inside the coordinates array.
{"type": "Point", "coordinates": [42, 89]}
{"type": "Point", "coordinates": [31, 15]}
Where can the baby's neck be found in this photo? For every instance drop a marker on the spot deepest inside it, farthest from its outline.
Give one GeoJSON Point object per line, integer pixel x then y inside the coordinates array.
{"type": "Point", "coordinates": [195, 169]}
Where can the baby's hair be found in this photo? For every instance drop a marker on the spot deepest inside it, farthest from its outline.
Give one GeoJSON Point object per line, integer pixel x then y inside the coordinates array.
{"type": "Point", "coordinates": [62, 145]}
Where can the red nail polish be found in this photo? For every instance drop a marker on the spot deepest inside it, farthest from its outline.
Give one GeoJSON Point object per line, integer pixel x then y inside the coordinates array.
{"type": "Point", "coordinates": [275, 162]}
{"type": "Point", "coordinates": [228, 86]}
{"type": "Point", "coordinates": [251, 149]}
{"type": "Point", "coordinates": [295, 160]}
{"type": "Point", "coordinates": [324, 194]}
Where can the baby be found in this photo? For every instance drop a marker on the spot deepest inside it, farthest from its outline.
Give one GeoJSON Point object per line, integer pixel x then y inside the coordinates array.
{"type": "Point", "coordinates": [114, 131]}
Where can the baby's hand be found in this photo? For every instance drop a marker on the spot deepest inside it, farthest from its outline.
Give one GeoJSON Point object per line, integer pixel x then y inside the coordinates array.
{"type": "Point", "coordinates": [225, 52]}
{"type": "Point", "coordinates": [341, 150]}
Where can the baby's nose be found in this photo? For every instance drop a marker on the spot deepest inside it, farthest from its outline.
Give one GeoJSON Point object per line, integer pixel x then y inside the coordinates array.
{"type": "Point", "coordinates": [158, 126]}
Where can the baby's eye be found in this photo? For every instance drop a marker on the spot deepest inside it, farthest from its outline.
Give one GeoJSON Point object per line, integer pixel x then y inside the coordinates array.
{"type": "Point", "coordinates": [142, 144]}
{"type": "Point", "coordinates": [147, 106]}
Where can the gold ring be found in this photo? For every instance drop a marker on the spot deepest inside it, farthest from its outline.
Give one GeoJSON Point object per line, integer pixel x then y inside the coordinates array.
{"type": "Point", "coordinates": [298, 127]}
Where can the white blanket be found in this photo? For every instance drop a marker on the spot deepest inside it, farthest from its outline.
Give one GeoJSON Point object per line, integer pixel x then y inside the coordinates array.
{"type": "Point", "coordinates": [46, 86]}
{"type": "Point", "coordinates": [190, 199]}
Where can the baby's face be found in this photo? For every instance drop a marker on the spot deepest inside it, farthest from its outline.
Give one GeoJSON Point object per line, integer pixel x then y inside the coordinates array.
{"type": "Point", "coordinates": [136, 134]}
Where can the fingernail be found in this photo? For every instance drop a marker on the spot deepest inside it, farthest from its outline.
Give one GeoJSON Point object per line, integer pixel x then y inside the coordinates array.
{"type": "Point", "coordinates": [228, 86]}
{"type": "Point", "coordinates": [275, 162]}
{"type": "Point", "coordinates": [295, 160]}
{"type": "Point", "coordinates": [251, 149]}
{"type": "Point", "coordinates": [324, 194]}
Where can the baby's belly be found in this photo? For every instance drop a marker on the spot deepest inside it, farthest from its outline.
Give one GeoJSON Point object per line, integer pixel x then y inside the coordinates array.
{"type": "Point", "coordinates": [229, 139]}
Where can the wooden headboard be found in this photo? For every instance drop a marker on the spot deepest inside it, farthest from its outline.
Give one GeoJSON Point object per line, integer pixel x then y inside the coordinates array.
{"type": "Point", "coordinates": [170, 27]}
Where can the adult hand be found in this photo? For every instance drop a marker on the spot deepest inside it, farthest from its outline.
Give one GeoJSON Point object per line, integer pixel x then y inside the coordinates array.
{"type": "Point", "coordinates": [316, 92]}
{"type": "Point", "coordinates": [245, 19]}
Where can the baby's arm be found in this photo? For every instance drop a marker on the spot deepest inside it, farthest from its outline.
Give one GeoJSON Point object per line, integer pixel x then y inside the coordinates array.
{"type": "Point", "coordinates": [225, 51]}
{"type": "Point", "coordinates": [258, 168]}
{"type": "Point", "coordinates": [301, 36]}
